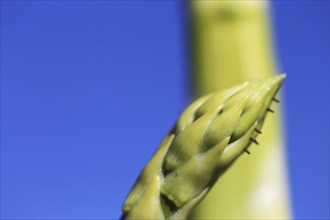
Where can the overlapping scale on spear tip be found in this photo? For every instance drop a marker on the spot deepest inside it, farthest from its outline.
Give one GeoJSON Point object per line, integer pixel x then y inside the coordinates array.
{"type": "Point", "coordinates": [207, 138]}
{"type": "Point", "coordinates": [146, 190]}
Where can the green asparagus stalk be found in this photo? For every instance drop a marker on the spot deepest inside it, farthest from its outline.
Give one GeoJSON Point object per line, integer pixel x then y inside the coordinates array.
{"type": "Point", "coordinates": [207, 138]}
{"type": "Point", "coordinates": [231, 43]}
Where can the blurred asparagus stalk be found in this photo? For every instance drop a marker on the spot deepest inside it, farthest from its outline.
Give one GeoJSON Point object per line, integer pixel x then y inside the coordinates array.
{"type": "Point", "coordinates": [231, 44]}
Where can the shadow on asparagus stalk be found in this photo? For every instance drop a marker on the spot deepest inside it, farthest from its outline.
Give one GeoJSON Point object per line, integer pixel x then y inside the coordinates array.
{"type": "Point", "coordinates": [206, 139]}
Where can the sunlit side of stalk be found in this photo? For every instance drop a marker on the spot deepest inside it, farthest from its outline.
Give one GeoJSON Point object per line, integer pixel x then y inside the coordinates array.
{"type": "Point", "coordinates": [231, 44]}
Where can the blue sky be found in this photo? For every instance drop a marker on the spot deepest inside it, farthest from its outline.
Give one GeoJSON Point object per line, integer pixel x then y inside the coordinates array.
{"type": "Point", "coordinates": [89, 89]}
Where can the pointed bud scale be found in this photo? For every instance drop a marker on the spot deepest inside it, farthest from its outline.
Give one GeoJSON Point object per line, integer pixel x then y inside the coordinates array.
{"type": "Point", "coordinates": [188, 116]}
{"type": "Point", "coordinates": [152, 169]}
{"type": "Point", "coordinates": [149, 203]}
{"type": "Point", "coordinates": [226, 122]}
{"type": "Point", "coordinates": [188, 143]}
{"type": "Point", "coordinates": [191, 178]}
{"type": "Point", "coordinates": [216, 99]}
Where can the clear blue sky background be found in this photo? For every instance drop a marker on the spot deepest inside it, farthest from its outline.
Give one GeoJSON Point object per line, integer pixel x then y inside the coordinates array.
{"type": "Point", "coordinates": [88, 90]}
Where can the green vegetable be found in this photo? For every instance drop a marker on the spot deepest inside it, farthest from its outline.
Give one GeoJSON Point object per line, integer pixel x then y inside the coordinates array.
{"type": "Point", "coordinates": [206, 139]}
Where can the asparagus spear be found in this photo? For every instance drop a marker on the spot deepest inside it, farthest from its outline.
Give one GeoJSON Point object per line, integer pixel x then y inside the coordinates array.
{"type": "Point", "coordinates": [206, 139]}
